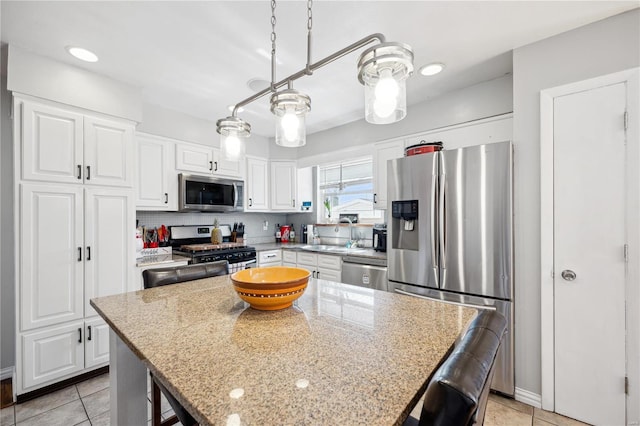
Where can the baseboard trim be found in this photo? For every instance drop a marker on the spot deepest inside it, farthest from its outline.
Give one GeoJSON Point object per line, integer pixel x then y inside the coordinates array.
{"type": "Point", "coordinates": [60, 385]}
{"type": "Point", "coordinates": [7, 373]}
{"type": "Point", "coordinates": [528, 397]}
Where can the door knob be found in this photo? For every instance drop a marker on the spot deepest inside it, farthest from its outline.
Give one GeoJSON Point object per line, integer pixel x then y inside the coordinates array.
{"type": "Point", "coordinates": [568, 275]}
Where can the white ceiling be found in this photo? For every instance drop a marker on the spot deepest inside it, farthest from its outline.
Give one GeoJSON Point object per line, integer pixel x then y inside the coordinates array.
{"type": "Point", "coordinates": [197, 57]}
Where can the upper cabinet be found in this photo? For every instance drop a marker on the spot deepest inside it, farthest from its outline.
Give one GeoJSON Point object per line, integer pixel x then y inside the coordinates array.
{"type": "Point", "coordinates": [157, 178]}
{"type": "Point", "coordinates": [283, 185]}
{"type": "Point", "coordinates": [257, 188]}
{"type": "Point", "coordinates": [62, 145]}
{"type": "Point", "coordinates": [206, 160]}
{"type": "Point", "coordinates": [381, 153]}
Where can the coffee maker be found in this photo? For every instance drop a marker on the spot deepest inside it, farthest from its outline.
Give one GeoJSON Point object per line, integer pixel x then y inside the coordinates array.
{"type": "Point", "coordinates": [380, 237]}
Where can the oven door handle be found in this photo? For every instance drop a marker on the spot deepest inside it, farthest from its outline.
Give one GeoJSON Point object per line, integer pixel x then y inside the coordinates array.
{"type": "Point", "coordinates": [466, 305]}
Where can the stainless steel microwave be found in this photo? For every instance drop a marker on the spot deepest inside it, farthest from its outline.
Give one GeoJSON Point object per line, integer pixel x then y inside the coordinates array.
{"type": "Point", "coordinates": [209, 194]}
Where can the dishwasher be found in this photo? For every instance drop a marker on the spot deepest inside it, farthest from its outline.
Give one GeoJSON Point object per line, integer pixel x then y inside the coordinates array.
{"type": "Point", "coordinates": [365, 272]}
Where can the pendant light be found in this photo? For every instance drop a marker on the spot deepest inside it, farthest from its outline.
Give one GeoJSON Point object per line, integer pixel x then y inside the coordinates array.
{"type": "Point", "coordinates": [383, 70]}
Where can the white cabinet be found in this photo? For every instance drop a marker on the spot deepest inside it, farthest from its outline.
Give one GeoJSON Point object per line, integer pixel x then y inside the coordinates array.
{"type": "Point", "coordinates": [321, 266]}
{"type": "Point", "coordinates": [269, 258]}
{"type": "Point", "coordinates": [257, 187]}
{"type": "Point", "coordinates": [157, 178]}
{"type": "Point", "coordinates": [61, 145]}
{"type": "Point", "coordinates": [288, 258]}
{"type": "Point", "coordinates": [96, 348]}
{"type": "Point", "coordinates": [381, 153]}
{"type": "Point", "coordinates": [202, 159]}
{"type": "Point", "coordinates": [283, 185]}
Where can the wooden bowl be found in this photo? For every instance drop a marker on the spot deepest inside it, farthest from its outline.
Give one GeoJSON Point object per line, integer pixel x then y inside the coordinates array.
{"type": "Point", "coordinates": [271, 288]}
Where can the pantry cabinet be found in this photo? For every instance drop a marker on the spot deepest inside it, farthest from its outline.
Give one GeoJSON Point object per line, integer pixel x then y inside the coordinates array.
{"type": "Point", "coordinates": [283, 185]}
{"type": "Point", "coordinates": [156, 178]}
{"type": "Point", "coordinates": [382, 152]}
{"type": "Point", "coordinates": [63, 145]}
{"type": "Point", "coordinates": [257, 187]}
{"type": "Point", "coordinates": [76, 221]}
{"type": "Point", "coordinates": [201, 159]}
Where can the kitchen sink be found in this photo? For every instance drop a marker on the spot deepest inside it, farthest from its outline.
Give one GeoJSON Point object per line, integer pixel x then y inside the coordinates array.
{"type": "Point", "coordinates": [323, 248]}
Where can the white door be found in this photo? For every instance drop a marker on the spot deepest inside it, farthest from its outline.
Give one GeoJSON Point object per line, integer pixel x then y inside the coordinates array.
{"type": "Point", "coordinates": [108, 152]}
{"type": "Point", "coordinates": [96, 348]}
{"type": "Point", "coordinates": [589, 263]}
{"type": "Point", "coordinates": [224, 167]}
{"type": "Point", "coordinates": [383, 152]}
{"type": "Point", "coordinates": [51, 144]}
{"type": "Point", "coordinates": [257, 184]}
{"type": "Point", "coordinates": [194, 158]}
{"type": "Point", "coordinates": [109, 238]}
{"type": "Point", "coordinates": [153, 189]}
{"type": "Point", "coordinates": [51, 254]}
{"type": "Point", "coordinates": [283, 185]}
{"type": "Point", "coordinates": [52, 353]}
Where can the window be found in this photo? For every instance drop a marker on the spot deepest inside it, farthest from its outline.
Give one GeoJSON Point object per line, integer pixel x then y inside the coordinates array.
{"type": "Point", "coordinates": [347, 188]}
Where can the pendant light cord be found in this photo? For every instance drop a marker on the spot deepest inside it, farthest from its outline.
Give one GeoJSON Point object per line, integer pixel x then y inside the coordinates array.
{"type": "Point", "coordinates": [308, 70]}
{"type": "Point", "coordinates": [273, 45]}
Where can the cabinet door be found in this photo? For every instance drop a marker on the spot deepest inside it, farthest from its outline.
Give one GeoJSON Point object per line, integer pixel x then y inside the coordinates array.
{"type": "Point", "coordinates": [108, 152]}
{"type": "Point", "coordinates": [329, 275]}
{"type": "Point", "coordinates": [381, 153]}
{"type": "Point", "coordinates": [109, 240]}
{"type": "Point", "coordinates": [283, 185]}
{"type": "Point", "coordinates": [257, 185]}
{"type": "Point", "coordinates": [224, 167]}
{"type": "Point", "coordinates": [156, 180]}
{"type": "Point", "coordinates": [52, 144]}
{"type": "Point", "coordinates": [52, 353]}
{"type": "Point", "coordinates": [96, 347]}
{"type": "Point", "coordinates": [51, 255]}
{"type": "Point", "coordinates": [194, 158]}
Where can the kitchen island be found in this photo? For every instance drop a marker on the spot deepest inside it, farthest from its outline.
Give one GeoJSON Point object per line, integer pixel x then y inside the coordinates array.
{"type": "Point", "coordinates": [341, 355]}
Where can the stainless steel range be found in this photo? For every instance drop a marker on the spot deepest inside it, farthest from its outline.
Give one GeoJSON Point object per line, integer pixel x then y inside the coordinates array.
{"type": "Point", "coordinates": [194, 242]}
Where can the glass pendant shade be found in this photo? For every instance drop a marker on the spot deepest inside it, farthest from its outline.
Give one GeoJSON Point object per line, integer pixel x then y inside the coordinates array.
{"type": "Point", "coordinates": [290, 107]}
{"type": "Point", "coordinates": [383, 70]}
{"type": "Point", "coordinates": [233, 131]}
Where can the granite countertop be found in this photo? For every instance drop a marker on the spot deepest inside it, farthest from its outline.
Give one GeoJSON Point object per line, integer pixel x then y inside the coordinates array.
{"type": "Point", "coordinates": [365, 252]}
{"type": "Point", "coordinates": [341, 355]}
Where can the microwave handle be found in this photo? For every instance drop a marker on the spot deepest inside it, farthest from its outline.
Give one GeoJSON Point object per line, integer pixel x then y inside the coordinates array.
{"type": "Point", "coordinates": [235, 195]}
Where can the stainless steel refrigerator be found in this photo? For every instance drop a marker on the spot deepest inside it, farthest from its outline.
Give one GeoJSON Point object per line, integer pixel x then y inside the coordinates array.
{"type": "Point", "coordinates": [450, 233]}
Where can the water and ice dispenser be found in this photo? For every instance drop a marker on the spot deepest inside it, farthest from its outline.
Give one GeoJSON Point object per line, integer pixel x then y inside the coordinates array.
{"type": "Point", "coordinates": [405, 225]}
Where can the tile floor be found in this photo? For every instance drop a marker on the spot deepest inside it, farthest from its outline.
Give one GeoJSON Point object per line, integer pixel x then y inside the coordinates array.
{"type": "Point", "coordinates": [87, 404]}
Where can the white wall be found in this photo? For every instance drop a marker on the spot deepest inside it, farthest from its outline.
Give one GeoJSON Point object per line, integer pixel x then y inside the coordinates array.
{"type": "Point", "coordinates": [600, 48]}
{"type": "Point", "coordinates": [35, 75]}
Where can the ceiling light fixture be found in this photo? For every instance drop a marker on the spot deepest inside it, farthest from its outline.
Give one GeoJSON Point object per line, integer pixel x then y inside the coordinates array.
{"type": "Point", "coordinates": [82, 54]}
{"type": "Point", "coordinates": [383, 70]}
{"type": "Point", "coordinates": [431, 69]}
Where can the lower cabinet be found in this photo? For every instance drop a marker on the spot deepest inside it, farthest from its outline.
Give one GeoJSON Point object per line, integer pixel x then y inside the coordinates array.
{"type": "Point", "coordinates": [288, 258]}
{"type": "Point", "coordinates": [54, 353]}
{"type": "Point", "coordinates": [321, 266]}
{"type": "Point", "coordinates": [269, 258]}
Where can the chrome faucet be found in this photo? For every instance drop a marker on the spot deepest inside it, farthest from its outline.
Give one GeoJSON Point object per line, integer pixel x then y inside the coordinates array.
{"type": "Point", "coordinates": [351, 242]}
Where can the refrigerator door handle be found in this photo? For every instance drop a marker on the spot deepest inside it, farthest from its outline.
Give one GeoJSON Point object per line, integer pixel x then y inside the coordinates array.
{"type": "Point", "coordinates": [466, 305]}
{"type": "Point", "coordinates": [434, 260]}
{"type": "Point", "coordinates": [442, 219]}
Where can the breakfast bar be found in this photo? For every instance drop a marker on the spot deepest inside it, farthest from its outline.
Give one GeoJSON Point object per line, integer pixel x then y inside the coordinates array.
{"type": "Point", "coordinates": [340, 355]}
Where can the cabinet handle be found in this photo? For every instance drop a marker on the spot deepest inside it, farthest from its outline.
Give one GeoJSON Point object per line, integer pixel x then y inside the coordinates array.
{"type": "Point", "coordinates": [79, 254]}
{"type": "Point", "coordinates": [79, 171]}
{"type": "Point", "coordinates": [318, 274]}
{"type": "Point", "coordinates": [89, 332]}
{"type": "Point", "coordinates": [293, 202]}
{"type": "Point", "coordinates": [79, 334]}
{"type": "Point", "coordinates": [250, 202]}
{"type": "Point", "coordinates": [166, 198]}
{"type": "Point", "coordinates": [211, 165]}
{"type": "Point", "coordinates": [216, 163]}
{"type": "Point", "coordinates": [88, 172]}
{"type": "Point", "coordinates": [375, 198]}
{"type": "Point", "coordinates": [88, 253]}
{"type": "Point", "coordinates": [313, 274]}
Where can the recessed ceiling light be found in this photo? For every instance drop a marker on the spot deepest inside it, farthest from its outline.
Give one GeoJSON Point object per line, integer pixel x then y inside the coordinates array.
{"type": "Point", "coordinates": [82, 54]}
{"type": "Point", "coordinates": [231, 107]}
{"type": "Point", "coordinates": [258, 84]}
{"type": "Point", "coordinates": [432, 69]}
